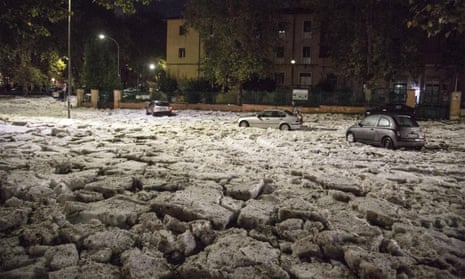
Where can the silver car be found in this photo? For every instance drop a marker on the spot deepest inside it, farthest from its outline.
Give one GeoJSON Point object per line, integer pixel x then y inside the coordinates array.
{"type": "Point", "coordinates": [157, 108]}
{"type": "Point", "coordinates": [388, 130]}
{"type": "Point", "coordinates": [272, 118]}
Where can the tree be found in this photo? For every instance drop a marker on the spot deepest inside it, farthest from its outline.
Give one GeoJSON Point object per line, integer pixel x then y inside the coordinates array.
{"type": "Point", "coordinates": [100, 71]}
{"type": "Point", "coordinates": [238, 36]}
{"type": "Point", "coordinates": [368, 39]}
{"type": "Point", "coordinates": [437, 16]}
{"type": "Point", "coordinates": [29, 29]}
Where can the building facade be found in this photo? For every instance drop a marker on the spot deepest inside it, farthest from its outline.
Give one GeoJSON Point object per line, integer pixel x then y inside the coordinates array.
{"type": "Point", "coordinates": [183, 51]}
{"type": "Point", "coordinates": [297, 60]}
{"type": "Point", "coordinates": [300, 61]}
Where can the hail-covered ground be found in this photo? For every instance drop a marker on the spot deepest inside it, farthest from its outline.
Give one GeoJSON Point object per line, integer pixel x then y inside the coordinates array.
{"type": "Point", "coordinates": [120, 194]}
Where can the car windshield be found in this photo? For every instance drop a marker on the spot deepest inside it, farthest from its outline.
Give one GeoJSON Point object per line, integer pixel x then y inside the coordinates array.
{"type": "Point", "coordinates": [405, 121]}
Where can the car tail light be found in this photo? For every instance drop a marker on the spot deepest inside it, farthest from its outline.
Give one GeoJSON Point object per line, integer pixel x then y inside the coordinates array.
{"type": "Point", "coordinates": [398, 134]}
{"type": "Point", "coordinates": [170, 107]}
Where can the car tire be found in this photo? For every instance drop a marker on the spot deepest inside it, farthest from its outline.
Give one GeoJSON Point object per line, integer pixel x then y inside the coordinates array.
{"type": "Point", "coordinates": [284, 127]}
{"type": "Point", "coordinates": [388, 143]}
{"type": "Point", "coordinates": [350, 137]}
{"type": "Point", "coordinates": [244, 124]}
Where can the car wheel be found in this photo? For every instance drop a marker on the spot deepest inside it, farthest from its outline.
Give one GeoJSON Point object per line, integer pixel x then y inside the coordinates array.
{"type": "Point", "coordinates": [244, 124]}
{"type": "Point", "coordinates": [350, 137]}
{"type": "Point", "coordinates": [388, 143]}
{"type": "Point", "coordinates": [284, 127]}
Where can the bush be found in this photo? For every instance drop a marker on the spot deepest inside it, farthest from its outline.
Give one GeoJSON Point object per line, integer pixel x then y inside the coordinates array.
{"type": "Point", "coordinates": [198, 90]}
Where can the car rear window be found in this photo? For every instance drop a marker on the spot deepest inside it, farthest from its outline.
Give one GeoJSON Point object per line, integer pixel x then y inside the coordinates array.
{"type": "Point", "coordinates": [404, 121]}
{"type": "Point", "coordinates": [163, 104]}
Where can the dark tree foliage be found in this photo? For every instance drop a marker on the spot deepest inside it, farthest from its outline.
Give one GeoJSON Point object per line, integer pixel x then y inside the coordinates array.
{"type": "Point", "coordinates": [100, 71]}
{"type": "Point", "coordinates": [437, 16]}
{"type": "Point", "coordinates": [257, 84]}
{"type": "Point", "coordinates": [238, 35]}
{"type": "Point", "coordinates": [33, 35]}
{"type": "Point", "coordinates": [368, 39]}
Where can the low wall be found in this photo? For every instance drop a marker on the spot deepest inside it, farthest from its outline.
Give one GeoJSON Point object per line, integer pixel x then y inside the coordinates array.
{"type": "Point", "coordinates": [320, 109]}
{"type": "Point", "coordinates": [250, 108]}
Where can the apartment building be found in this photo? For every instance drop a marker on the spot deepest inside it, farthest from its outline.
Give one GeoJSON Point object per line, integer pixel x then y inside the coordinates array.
{"type": "Point", "coordinates": [183, 51]}
{"type": "Point", "coordinates": [301, 61]}
{"type": "Point", "coordinates": [297, 59]}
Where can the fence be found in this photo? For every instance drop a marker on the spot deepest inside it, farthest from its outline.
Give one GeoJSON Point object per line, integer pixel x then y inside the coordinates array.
{"type": "Point", "coordinates": [316, 103]}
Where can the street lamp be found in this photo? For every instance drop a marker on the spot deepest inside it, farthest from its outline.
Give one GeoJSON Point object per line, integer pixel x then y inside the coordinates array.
{"type": "Point", "coordinates": [102, 37]}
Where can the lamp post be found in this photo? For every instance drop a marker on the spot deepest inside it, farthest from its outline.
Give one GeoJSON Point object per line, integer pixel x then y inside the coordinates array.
{"type": "Point", "coordinates": [102, 37]}
{"type": "Point", "coordinates": [70, 84]}
{"type": "Point", "coordinates": [292, 72]}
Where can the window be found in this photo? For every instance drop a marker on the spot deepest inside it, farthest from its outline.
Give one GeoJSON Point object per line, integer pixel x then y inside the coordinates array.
{"type": "Point", "coordinates": [282, 30]}
{"type": "Point", "coordinates": [267, 113]}
{"type": "Point", "coordinates": [182, 30]}
{"type": "Point", "coordinates": [307, 26]}
{"type": "Point", "coordinates": [369, 121]}
{"type": "Point", "coordinates": [280, 52]}
{"type": "Point", "coordinates": [182, 52]}
{"type": "Point", "coordinates": [279, 78]}
{"type": "Point", "coordinates": [307, 29]}
{"type": "Point", "coordinates": [400, 92]}
{"type": "Point", "coordinates": [384, 122]}
{"type": "Point", "coordinates": [306, 79]}
{"type": "Point", "coordinates": [306, 55]}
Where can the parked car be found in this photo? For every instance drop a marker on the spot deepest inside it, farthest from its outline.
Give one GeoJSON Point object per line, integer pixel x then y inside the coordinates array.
{"type": "Point", "coordinates": [388, 130]}
{"type": "Point", "coordinates": [157, 108]}
{"type": "Point", "coordinates": [272, 118]}
{"type": "Point", "coordinates": [392, 108]}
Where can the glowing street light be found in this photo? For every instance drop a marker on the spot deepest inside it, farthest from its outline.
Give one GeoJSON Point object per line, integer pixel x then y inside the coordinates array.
{"type": "Point", "coordinates": [102, 37]}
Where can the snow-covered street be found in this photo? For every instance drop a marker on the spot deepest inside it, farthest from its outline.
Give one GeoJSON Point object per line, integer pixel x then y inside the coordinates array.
{"type": "Point", "coordinates": [120, 194]}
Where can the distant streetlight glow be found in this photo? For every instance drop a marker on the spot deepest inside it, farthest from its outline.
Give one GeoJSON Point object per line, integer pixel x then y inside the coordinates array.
{"type": "Point", "coordinates": [152, 66]}
{"type": "Point", "coordinates": [102, 37]}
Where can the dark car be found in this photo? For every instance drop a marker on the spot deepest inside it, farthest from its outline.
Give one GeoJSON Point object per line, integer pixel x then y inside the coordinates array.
{"type": "Point", "coordinates": [388, 130]}
{"type": "Point", "coordinates": [157, 108]}
{"type": "Point", "coordinates": [392, 108]}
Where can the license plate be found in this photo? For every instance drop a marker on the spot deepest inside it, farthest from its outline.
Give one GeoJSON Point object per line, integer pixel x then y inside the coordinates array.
{"type": "Point", "coordinates": [412, 136]}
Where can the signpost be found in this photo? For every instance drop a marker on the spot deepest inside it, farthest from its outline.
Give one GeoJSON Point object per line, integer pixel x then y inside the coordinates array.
{"type": "Point", "coordinates": [299, 94]}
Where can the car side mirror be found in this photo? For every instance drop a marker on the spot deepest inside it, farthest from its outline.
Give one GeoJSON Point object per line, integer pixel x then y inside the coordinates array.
{"type": "Point", "coordinates": [360, 124]}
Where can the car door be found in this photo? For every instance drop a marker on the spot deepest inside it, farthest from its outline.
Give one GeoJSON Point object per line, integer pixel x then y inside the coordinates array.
{"type": "Point", "coordinates": [366, 132]}
{"type": "Point", "coordinates": [271, 119]}
{"type": "Point", "coordinates": [263, 119]}
{"type": "Point", "coordinates": [383, 129]}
